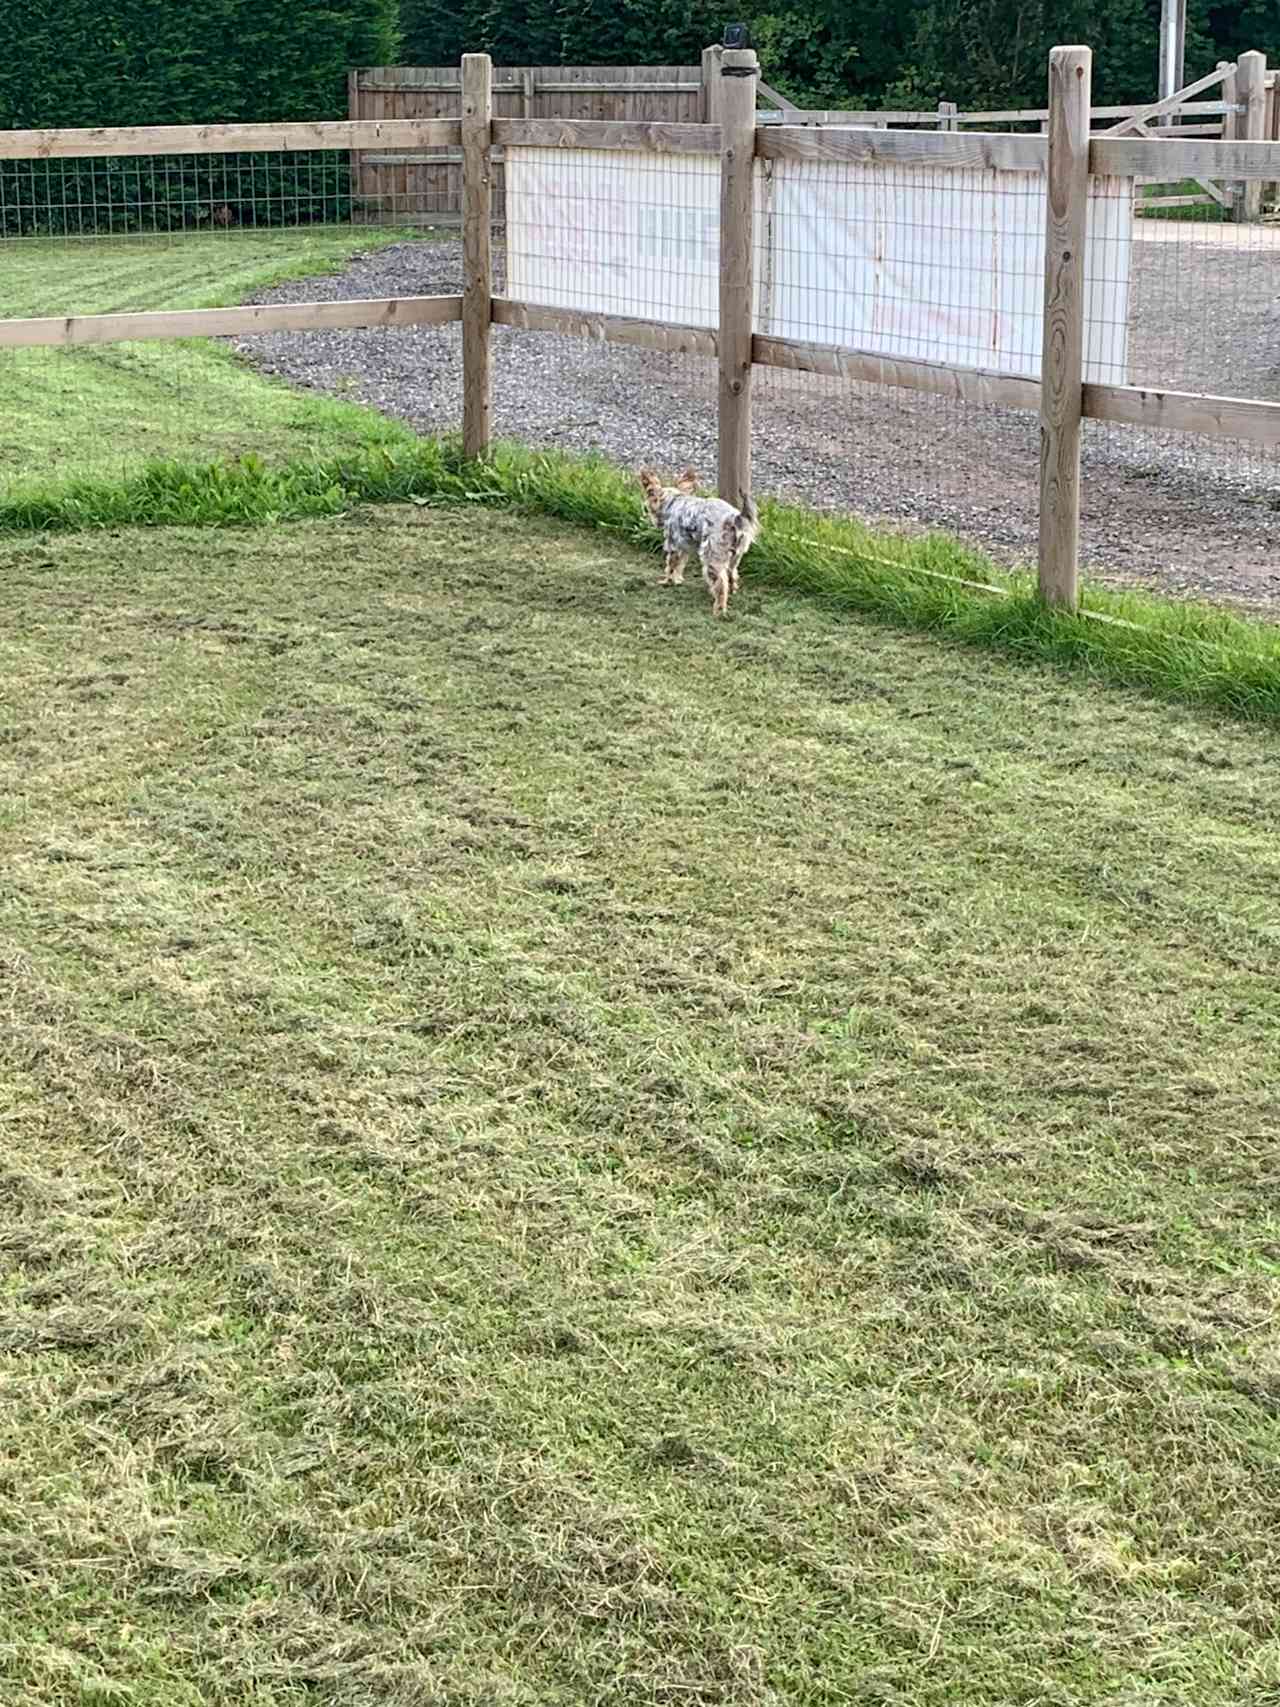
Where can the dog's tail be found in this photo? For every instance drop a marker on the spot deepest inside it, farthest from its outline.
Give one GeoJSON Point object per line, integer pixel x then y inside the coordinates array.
{"type": "Point", "coordinates": [742, 528]}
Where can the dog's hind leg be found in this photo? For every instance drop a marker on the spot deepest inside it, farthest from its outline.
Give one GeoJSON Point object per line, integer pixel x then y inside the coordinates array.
{"type": "Point", "coordinates": [718, 580]}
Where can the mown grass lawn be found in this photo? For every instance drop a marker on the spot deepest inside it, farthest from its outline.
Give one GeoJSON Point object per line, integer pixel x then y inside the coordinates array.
{"type": "Point", "coordinates": [107, 409]}
{"type": "Point", "coordinates": [557, 1152]}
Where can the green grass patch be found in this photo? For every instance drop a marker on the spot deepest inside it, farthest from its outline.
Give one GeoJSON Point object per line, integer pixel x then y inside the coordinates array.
{"type": "Point", "coordinates": [559, 1151]}
{"type": "Point", "coordinates": [1207, 212]}
{"type": "Point", "coordinates": [1183, 651]}
{"type": "Point", "coordinates": [103, 412]}
{"type": "Point", "coordinates": [185, 434]}
{"type": "Point", "coordinates": [118, 274]}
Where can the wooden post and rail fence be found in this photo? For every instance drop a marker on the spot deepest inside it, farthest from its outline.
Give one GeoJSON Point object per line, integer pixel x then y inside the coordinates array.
{"type": "Point", "coordinates": [1067, 156]}
{"type": "Point", "coordinates": [425, 188]}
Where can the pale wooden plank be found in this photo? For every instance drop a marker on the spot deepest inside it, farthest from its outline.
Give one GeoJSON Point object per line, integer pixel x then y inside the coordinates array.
{"type": "Point", "coordinates": [140, 326]}
{"type": "Point", "coordinates": [552, 87]}
{"type": "Point", "coordinates": [851, 116]}
{"type": "Point", "coordinates": [965, 385]}
{"type": "Point", "coordinates": [597, 133]}
{"type": "Point", "coordinates": [771, 94]}
{"type": "Point", "coordinates": [1213, 193]}
{"type": "Point", "coordinates": [1164, 161]}
{"type": "Point", "coordinates": [1062, 355]}
{"type": "Point", "coordinates": [1251, 91]}
{"type": "Point", "coordinates": [1185, 412]}
{"type": "Point", "coordinates": [1171, 103]}
{"type": "Point", "coordinates": [391, 85]}
{"type": "Point", "coordinates": [710, 113]}
{"type": "Point", "coordinates": [1016, 115]}
{"type": "Point", "coordinates": [454, 158]}
{"type": "Point", "coordinates": [226, 138]}
{"type": "Point", "coordinates": [606, 328]}
{"type": "Point", "coordinates": [921, 148]}
{"type": "Point", "coordinates": [477, 234]}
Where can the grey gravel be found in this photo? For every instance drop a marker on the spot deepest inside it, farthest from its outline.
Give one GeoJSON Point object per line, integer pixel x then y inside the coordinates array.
{"type": "Point", "coordinates": [1165, 510]}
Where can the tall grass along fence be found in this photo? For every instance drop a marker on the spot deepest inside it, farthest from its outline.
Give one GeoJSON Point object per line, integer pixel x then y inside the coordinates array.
{"type": "Point", "coordinates": [990, 269]}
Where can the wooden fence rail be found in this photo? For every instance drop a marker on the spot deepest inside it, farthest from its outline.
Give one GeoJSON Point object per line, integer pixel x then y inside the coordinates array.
{"type": "Point", "coordinates": [426, 189]}
{"type": "Point", "coordinates": [136, 140]}
{"type": "Point", "coordinates": [416, 188]}
{"type": "Point", "coordinates": [1246, 107]}
{"type": "Point", "coordinates": [1064, 158]}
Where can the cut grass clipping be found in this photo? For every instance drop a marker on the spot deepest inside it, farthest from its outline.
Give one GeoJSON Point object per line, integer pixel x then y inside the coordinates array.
{"type": "Point", "coordinates": [1186, 652]}
{"type": "Point", "coordinates": [556, 1154]}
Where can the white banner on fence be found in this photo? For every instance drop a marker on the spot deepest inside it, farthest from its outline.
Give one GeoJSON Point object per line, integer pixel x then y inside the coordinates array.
{"type": "Point", "coordinates": [615, 233]}
{"type": "Point", "coordinates": [940, 265]}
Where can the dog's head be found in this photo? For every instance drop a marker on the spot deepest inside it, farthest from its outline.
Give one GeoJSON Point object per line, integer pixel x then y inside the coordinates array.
{"type": "Point", "coordinates": [651, 486]}
{"type": "Point", "coordinates": [656, 494]}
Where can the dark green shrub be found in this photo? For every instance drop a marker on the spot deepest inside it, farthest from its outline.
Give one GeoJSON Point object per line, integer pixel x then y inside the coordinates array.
{"type": "Point", "coordinates": [158, 62]}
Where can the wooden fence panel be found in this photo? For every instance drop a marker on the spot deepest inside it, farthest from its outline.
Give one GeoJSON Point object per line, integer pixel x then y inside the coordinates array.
{"type": "Point", "coordinates": [425, 188]}
{"type": "Point", "coordinates": [409, 188]}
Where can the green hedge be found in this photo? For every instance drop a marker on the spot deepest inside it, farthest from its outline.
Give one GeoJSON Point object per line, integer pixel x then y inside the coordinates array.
{"type": "Point", "coordinates": [854, 53]}
{"type": "Point", "coordinates": [147, 62]}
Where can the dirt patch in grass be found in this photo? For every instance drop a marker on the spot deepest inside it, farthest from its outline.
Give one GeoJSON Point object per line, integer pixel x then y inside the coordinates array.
{"type": "Point", "coordinates": [557, 1151]}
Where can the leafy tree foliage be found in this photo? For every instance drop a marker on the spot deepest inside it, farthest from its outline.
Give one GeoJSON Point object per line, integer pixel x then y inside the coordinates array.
{"type": "Point", "coordinates": [855, 53]}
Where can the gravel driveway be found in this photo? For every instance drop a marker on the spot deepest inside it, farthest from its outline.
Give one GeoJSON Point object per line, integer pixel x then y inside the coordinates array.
{"type": "Point", "coordinates": [1159, 509]}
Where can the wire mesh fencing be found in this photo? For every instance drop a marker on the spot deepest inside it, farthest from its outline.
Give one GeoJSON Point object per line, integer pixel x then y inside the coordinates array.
{"type": "Point", "coordinates": [944, 266]}
{"type": "Point", "coordinates": [921, 265]}
{"type": "Point", "coordinates": [613, 235]}
{"type": "Point", "coordinates": [1183, 510]}
{"type": "Point", "coordinates": [170, 233]}
{"type": "Point", "coordinates": [111, 197]}
{"type": "Point", "coordinates": [923, 281]}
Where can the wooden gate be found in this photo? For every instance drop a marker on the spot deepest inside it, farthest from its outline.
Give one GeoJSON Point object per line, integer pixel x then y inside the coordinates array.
{"type": "Point", "coordinates": [1247, 108]}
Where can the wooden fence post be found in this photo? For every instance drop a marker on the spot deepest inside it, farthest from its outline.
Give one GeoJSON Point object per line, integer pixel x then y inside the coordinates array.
{"type": "Point", "coordinates": [477, 233]}
{"type": "Point", "coordinates": [1251, 125]}
{"type": "Point", "coordinates": [1062, 353]}
{"type": "Point", "coordinates": [739, 69]}
{"type": "Point", "coordinates": [1231, 130]}
{"type": "Point", "coordinates": [1229, 96]}
{"type": "Point", "coordinates": [354, 114]}
{"type": "Point", "coordinates": [711, 84]}
{"type": "Point", "coordinates": [947, 111]}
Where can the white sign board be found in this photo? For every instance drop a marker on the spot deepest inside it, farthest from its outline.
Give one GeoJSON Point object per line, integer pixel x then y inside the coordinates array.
{"type": "Point", "coordinates": [929, 263]}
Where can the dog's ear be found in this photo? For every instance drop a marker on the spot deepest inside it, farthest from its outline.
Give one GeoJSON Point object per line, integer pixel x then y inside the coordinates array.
{"type": "Point", "coordinates": [648, 479]}
{"type": "Point", "coordinates": [687, 482]}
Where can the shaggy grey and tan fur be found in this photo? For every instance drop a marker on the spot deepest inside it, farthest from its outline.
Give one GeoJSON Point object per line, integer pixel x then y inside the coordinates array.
{"type": "Point", "coordinates": [721, 535]}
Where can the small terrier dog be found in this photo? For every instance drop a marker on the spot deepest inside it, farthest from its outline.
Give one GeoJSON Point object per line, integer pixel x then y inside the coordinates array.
{"type": "Point", "coordinates": [721, 535]}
